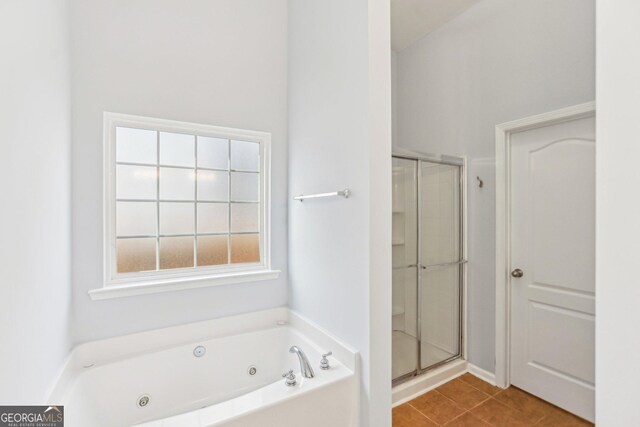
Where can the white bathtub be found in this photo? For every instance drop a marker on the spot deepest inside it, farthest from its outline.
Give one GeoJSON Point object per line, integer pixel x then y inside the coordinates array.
{"type": "Point", "coordinates": [105, 380]}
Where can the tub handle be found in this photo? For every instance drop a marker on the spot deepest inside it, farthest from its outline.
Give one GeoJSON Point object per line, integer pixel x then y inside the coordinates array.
{"type": "Point", "coordinates": [324, 363]}
{"type": "Point", "coordinates": [290, 380]}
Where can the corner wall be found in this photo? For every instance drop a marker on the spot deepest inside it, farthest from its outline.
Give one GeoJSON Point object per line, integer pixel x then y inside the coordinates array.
{"type": "Point", "coordinates": [35, 212]}
{"type": "Point", "coordinates": [340, 137]}
{"type": "Point", "coordinates": [221, 62]}
{"type": "Point", "coordinates": [617, 214]}
{"type": "Point", "coordinates": [499, 61]}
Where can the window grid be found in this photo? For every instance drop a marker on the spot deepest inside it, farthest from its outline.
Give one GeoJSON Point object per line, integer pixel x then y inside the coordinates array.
{"type": "Point", "coordinates": [187, 167]}
{"type": "Point", "coordinates": [157, 200]}
{"type": "Point", "coordinates": [229, 206]}
{"type": "Point", "coordinates": [229, 170]}
{"type": "Point", "coordinates": [195, 204]}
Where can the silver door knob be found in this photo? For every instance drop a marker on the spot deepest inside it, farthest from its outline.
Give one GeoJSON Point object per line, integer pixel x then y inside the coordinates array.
{"type": "Point", "coordinates": [517, 273]}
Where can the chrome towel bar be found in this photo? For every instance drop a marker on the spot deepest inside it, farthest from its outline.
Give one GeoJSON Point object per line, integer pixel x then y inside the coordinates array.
{"type": "Point", "coordinates": [344, 193]}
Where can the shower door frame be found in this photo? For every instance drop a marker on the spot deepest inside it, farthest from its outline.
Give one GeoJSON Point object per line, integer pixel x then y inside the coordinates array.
{"type": "Point", "coordinates": [461, 163]}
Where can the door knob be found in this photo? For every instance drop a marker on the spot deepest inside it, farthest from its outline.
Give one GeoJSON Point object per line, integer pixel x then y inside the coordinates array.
{"type": "Point", "coordinates": [517, 273]}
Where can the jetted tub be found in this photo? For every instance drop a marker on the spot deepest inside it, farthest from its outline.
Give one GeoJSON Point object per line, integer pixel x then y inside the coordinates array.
{"type": "Point", "coordinates": [156, 379]}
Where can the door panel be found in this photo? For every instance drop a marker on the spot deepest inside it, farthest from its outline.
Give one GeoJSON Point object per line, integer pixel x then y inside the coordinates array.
{"type": "Point", "coordinates": [553, 242]}
{"type": "Point", "coordinates": [405, 270]}
{"type": "Point", "coordinates": [440, 315]}
{"type": "Point", "coordinates": [440, 216]}
{"type": "Point", "coordinates": [562, 245]}
{"type": "Point", "coordinates": [550, 325]}
{"type": "Point", "coordinates": [440, 227]}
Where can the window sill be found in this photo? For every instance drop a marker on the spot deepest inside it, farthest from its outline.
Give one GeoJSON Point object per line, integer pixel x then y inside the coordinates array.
{"type": "Point", "coordinates": [178, 284]}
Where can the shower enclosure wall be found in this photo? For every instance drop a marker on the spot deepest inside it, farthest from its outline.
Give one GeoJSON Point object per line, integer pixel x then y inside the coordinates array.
{"type": "Point", "coordinates": [428, 263]}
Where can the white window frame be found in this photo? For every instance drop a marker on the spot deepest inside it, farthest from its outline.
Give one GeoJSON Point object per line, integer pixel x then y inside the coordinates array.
{"type": "Point", "coordinates": [126, 284]}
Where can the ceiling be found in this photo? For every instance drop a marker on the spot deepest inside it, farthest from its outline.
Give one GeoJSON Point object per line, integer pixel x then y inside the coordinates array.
{"type": "Point", "coordinates": [413, 19]}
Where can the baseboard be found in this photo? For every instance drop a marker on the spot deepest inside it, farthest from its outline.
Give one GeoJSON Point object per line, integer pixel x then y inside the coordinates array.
{"type": "Point", "coordinates": [482, 374]}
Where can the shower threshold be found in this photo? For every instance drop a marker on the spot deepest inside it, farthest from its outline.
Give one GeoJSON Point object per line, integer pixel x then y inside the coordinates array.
{"type": "Point", "coordinates": [411, 386]}
{"type": "Point", "coordinates": [416, 374]}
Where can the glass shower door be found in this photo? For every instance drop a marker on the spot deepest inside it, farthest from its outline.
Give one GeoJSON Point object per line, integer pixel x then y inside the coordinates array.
{"type": "Point", "coordinates": [441, 263]}
{"type": "Point", "coordinates": [405, 268]}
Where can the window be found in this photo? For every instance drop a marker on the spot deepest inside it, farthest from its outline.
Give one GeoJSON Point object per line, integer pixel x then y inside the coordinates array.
{"type": "Point", "coordinates": [185, 204]}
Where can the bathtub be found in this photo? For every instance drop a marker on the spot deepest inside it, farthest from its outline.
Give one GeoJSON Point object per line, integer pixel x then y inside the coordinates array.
{"type": "Point", "coordinates": [224, 372]}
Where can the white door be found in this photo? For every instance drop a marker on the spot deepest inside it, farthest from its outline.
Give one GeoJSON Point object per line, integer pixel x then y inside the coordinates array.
{"type": "Point", "coordinates": [553, 246]}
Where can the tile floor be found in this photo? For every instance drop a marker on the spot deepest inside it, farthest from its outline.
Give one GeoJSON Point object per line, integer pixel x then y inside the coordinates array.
{"type": "Point", "coordinates": [469, 401]}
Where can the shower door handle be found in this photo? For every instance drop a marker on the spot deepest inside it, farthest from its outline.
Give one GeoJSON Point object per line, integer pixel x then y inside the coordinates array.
{"type": "Point", "coordinates": [432, 266]}
{"type": "Point", "coordinates": [442, 265]}
{"type": "Point", "coordinates": [401, 267]}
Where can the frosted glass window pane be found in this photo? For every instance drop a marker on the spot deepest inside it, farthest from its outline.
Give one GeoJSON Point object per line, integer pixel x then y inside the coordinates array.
{"type": "Point", "coordinates": [135, 182]}
{"type": "Point", "coordinates": [245, 217]}
{"type": "Point", "coordinates": [245, 155]}
{"type": "Point", "coordinates": [245, 187]}
{"type": "Point", "coordinates": [245, 248]}
{"type": "Point", "coordinates": [213, 218]}
{"type": "Point", "coordinates": [136, 145]}
{"type": "Point", "coordinates": [177, 184]}
{"type": "Point", "coordinates": [177, 218]}
{"type": "Point", "coordinates": [135, 218]}
{"type": "Point", "coordinates": [136, 255]}
{"type": "Point", "coordinates": [213, 185]}
{"type": "Point", "coordinates": [212, 250]}
{"type": "Point", "coordinates": [177, 149]}
{"type": "Point", "coordinates": [176, 252]}
{"type": "Point", "coordinates": [213, 153]}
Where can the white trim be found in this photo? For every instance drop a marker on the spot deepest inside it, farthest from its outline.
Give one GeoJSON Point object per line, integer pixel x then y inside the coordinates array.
{"type": "Point", "coordinates": [161, 281]}
{"type": "Point", "coordinates": [485, 376]}
{"type": "Point", "coordinates": [503, 297]}
{"type": "Point", "coordinates": [182, 283]}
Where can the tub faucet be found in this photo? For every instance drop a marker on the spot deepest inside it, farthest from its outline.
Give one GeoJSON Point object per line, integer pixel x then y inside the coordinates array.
{"type": "Point", "coordinates": [305, 367]}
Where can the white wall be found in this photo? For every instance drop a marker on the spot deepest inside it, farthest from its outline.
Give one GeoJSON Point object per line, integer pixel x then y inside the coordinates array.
{"type": "Point", "coordinates": [499, 61]}
{"type": "Point", "coordinates": [219, 62]}
{"type": "Point", "coordinates": [35, 209]}
{"type": "Point", "coordinates": [379, 141]}
{"type": "Point", "coordinates": [394, 96]}
{"type": "Point", "coordinates": [339, 136]}
{"type": "Point", "coordinates": [617, 213]}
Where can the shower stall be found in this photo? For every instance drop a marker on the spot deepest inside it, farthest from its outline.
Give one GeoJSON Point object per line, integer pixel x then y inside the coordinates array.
{"type": "Point", "coordinates": [428, 263]}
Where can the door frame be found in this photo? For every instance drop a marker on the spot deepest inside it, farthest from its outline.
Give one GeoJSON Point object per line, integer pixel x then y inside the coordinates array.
{"type": "Point", "coordinates": [503, 134]}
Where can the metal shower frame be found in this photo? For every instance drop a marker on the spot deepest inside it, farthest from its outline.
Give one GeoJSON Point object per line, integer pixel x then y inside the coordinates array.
{"type": "Point", "coordinates": [459, 162]}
